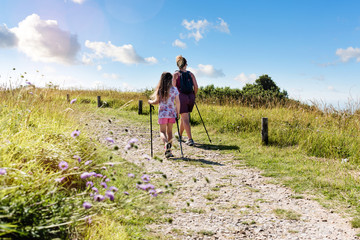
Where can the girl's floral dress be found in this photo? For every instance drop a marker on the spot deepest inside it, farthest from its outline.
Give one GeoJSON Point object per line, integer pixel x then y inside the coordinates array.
{"type": "Point", "coordinates": [167, 108]}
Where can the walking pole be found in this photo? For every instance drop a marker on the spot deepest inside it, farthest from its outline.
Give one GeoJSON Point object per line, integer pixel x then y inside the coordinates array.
{"type": "Point", "coordinates": [202, 121]}
{"type": "Point", "coordinates": [151, 108]}
{"type": "Point", "coordinates": [177, 124]}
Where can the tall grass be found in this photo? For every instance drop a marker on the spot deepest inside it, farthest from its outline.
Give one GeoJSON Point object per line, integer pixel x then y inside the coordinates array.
{"type": "Point", "coordinates": [42, 190]}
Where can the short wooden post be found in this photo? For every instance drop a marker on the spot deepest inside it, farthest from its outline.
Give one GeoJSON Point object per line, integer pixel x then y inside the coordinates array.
{"type": "Point", "coordinates": [140, 107]}
{"type": "Point", "coordinates": [264, 130]}
{"type": "Point", "coordinates": [99, 101]}
{"type": "Point", "coordinates": [68, 97]}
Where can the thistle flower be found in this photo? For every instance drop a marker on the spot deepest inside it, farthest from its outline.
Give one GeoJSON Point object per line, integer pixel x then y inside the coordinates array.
{"type": "Point", "coordinates": [146, 187]}
{"type": "Point", "coordinates": [85, 175]}
{"type": "Point", "coordinates": [112, 188]}
{"type": "Point", "coordinates": [110, 140]}
{"type": "Point", "coordinates": [145, 178]}
{"type": "Point", "coordinates": [2, 171]}
{"type": "Point", "coordinates": [77, 157]}
{"type": "Point", "coordinates": [75, 133]}
{"type": "Point", "coordinates": [103, 184]}
{"type": "Point", "coordinates": [133, 141]}
{"type": "Point", "coordinates": [59, 180]}
{"type": "Point", "coordinates": [72, 101]}
{"type": "Point", "coordinates": [63, 165]}
{"type": "Point", "coordinates": [88, 162]}
{"type": "Point", "coordinates": [99, 198]}
{"type": "Point", "coordinates": [87, 205]}
{"type": "Point", "coordinates": [110, 195]}
{"type": "Point", "coordinates": [89, 183]}
{"type": "Point", "coordinates": [95, 189]}
{"type": "Point", "coordinates": [131, 175]}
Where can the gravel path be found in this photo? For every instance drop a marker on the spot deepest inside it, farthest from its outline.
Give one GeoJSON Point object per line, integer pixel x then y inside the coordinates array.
{"type": "Point", "coordinates": [217, 197]}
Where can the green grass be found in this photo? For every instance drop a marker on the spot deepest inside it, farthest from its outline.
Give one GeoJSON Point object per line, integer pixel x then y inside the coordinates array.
{"type": "Point", "coordinates": [287, 214]}
{"type": "Point", "coordinates": [305, 152]}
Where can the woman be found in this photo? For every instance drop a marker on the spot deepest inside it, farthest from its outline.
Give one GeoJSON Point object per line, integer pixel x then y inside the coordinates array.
{"type": "Point", "coordinates": [185, 82]}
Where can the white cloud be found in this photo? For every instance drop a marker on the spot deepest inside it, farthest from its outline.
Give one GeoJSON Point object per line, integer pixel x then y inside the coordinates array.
{"type": "Point", "coordinates": [199, 28]}
{"type": "Point", "coordinates": [78, 1]}
{"type": "Point", "coordinates": [180, 44]}
{"type": "Point", "coordinates": [7, 38]}
{"type": "Point", "coordinates": [99, 67]}
{"type": "Point", "coordinates": [222, 26]}
{"type": "Point", "coordinates": [207, 71]}
{"type": "Point", "coordinates": [124, 54]}
{"type": "Point", "coordinates": [349, 53]}
{"type": "Point", "coordinates": [43, 40]}
{"type": "Point", "coordinates": [112, 76]}
{"type": "Point", "coordinates": [246, 79]}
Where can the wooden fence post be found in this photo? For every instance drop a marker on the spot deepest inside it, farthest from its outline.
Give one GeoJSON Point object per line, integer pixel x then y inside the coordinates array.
{"type": "Point", "coordinates": [264, 130]}
{"type": "Point", "coordinates": [140, 107]}
{"type": "Point", "coordinates": [68, 97]}
{"type": "Point", "coordinates": [99, 101]}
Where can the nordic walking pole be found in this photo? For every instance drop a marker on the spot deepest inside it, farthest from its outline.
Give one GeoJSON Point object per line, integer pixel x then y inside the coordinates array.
{"type": "Point", "coordinates": [151, 108]}
{"type": "Point", "coordinates": [202, 121]}
{"type": "Point", "coordinates": [177, 124]}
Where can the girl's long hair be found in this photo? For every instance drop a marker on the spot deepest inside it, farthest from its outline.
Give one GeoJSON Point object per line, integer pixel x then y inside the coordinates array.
{"type": "Point", "coordinates": [163, 88]}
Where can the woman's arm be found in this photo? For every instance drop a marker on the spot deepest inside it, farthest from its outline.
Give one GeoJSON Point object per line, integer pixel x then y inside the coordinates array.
{"type": "Point", "coordinates": [194, 82]}
{"type": "Point", "coordinates": [175, 77]}
{"type": "Point", "coordinates": [177, 102]}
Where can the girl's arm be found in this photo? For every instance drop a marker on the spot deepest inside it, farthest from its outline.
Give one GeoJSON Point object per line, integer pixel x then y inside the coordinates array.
{"type": "Point", "coordinates": [155, 101]}
{"type": "Point", "coordinates": [177, 102]}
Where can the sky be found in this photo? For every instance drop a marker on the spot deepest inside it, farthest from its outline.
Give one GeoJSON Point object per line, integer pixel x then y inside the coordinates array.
{"type": "Point", "coordinates": [309, 48]}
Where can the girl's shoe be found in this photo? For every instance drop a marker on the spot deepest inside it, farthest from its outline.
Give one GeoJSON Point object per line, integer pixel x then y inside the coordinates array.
{"type": "Point", "coordinates": [168, 154]}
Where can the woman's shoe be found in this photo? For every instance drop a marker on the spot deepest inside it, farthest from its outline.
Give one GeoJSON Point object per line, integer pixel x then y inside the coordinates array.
{"type": "Point", "coordinates": [190, 142]}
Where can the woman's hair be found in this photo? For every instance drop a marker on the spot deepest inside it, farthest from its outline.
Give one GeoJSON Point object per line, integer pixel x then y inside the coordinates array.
{"type": "Point", "coordinates": [163, 88]}
{"type": "Point", "coordinates": [181, 61]}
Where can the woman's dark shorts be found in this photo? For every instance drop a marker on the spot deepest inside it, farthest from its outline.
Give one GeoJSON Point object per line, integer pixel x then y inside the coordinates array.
{"type": "Point", "coordinates": [187, 102]}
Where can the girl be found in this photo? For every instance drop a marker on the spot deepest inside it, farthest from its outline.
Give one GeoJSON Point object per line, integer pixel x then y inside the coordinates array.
{"type": "Point", "coordinates": [165, 94]}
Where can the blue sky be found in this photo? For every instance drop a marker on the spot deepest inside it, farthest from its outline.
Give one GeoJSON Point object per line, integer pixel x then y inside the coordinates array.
{"type": "Point", "coordinates": [309, 48]}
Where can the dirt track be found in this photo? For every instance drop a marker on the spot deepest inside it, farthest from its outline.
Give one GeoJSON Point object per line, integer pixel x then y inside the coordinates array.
{"type": "Point", "coordinates": [218, 198]}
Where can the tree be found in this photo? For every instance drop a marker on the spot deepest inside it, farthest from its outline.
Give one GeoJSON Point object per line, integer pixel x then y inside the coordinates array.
{"type": "Point", "coordinates": [267, 83]}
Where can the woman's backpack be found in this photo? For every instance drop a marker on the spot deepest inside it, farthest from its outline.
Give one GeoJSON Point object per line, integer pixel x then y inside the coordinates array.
{"type": "Point", "coordinates": [186, 82]}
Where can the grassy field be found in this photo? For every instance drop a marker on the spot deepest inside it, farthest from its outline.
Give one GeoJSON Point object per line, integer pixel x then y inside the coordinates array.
{"type": "Point", "coordinates": [311, 151]}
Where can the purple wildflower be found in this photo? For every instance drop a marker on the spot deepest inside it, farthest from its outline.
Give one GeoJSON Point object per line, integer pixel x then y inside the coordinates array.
{"type": "Point", "coordinates": [99, 198]}
{"type": "Point", "coordinates": [107, 180]}
{"type": "Point", "coordinates": [110, 195]}
{"type": "Point", "coordinates": [31, 93]}
{"type": "Point", "coordinates": [75, 168]}
{"type": "Point", "coordinates": [59, 180]}
{"type": "Point", "coordinates": [85, 175]}
{"type": "Point", "coordinates": [89, 183]}
{"type": "Point", "coordinates": [28, 83]}
{"type": "Point", "coordinates": [145, 178]}
{"type": "Point", "coordinates": [112, 188]}
{"type": "Point", "coordinates": [95, 189]}
{"type": "Point", "coordinates": [88, 220]}
{"type": "Point", "coordinates": [146, 157]}
{"type": "Point", "coordinates": [75, 133]}
{"type": "Point", "coordinates": [87, 205]}
{"type": "Point", "coordinates": [88, 162]}
{"type": "Point", "coordinates": [77, 157]}
{"type": "Point", "coordinates": [103, 168]}
{"type": "Point", "coordinates": [103, 184]}
{"type": "Point", "coordinates": [2, 171]}
{"type": "Point", "coordinates": [126, 193]}
{"type": "Point", "coordinates": [110, 140]}
{"type": "Point", "coordinates": [153, 192]}
{"type": "Point", "coordinates": [98, 175]}
{"type": "Point", "coordinates": [146, 187]}
{"type": "Point", "coordinates": [127, 147]}
{"type": "Point", "coordinates": [133, 141]}
{"type": "Point", "coordinates": [72, 101]}
{"type": "Point", "coordinates": [131, 175]}
{"type": "Point", "coordinates": [63, 165]}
